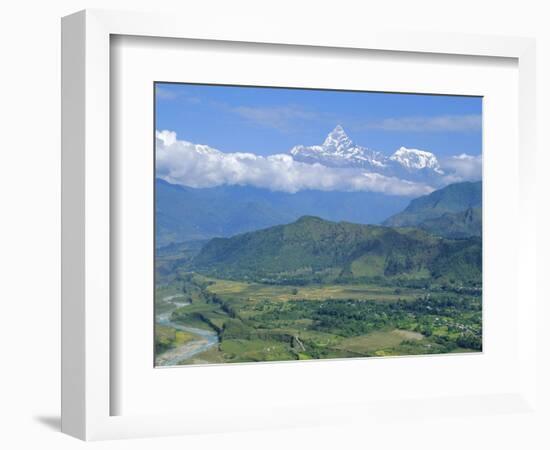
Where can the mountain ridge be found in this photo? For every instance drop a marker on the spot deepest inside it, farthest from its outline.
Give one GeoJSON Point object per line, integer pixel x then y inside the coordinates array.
{"type": "Point", "coordinates": [338, 150]}
{"type": "Point", "coordinates": [454, 211]}
{"type": "Point", "coordinates": [315, 250]}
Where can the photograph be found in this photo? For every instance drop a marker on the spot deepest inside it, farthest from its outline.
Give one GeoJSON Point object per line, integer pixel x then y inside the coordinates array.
{"type": "Point", "coordinates": [302, 224]}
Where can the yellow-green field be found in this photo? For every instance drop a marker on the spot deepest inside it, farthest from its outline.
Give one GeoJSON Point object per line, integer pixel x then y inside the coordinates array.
{"type": "Point", "coordinates": [168, 335]}
{"type": "Point", "coordinates": [378, 340]}
{"type": "Point", "coordinates": [258, 291]}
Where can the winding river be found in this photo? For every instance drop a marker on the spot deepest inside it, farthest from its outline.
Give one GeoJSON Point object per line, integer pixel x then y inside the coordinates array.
{"type": "Point", "coordinates": [206, 338]}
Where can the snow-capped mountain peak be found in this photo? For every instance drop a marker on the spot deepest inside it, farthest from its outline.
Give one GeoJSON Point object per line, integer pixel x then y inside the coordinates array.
{"type": "Point", "coordinates": [338, 150]}
{"type": "Point", "coordinates": [338, 139]}
{"type": "Point", "coordinates": [415, 159]}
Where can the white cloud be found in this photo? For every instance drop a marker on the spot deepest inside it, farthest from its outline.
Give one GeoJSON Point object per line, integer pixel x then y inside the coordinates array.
{"type": "Point", "coordinates": [166, 137]}
{"type": "Point", "coordinates": [463, 167]}
{"type": "Point", "coordinates": [448, 123]}
{"type": "Point", "coordinates": [200, 166]}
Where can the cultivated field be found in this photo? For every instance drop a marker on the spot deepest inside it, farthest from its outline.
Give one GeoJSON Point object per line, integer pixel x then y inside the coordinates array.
{"type": "Point", "coordinates": [257, 291]}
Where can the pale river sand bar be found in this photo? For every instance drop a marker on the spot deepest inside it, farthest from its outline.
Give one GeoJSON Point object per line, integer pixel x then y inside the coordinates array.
{"type": "Point", "coordinates": [205, 338]}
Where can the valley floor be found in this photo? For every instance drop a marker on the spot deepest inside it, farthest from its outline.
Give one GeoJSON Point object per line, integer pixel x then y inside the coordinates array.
{"type": "Point", "coordinates": [202, 320]}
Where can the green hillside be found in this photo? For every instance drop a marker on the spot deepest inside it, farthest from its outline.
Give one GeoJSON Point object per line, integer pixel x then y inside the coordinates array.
{"type": "Point", "coordinates": [315, 250]}
{"type": "Point", "coordinates": [458, 225]}
{"type": "Point", "coordinates": [453, 211]}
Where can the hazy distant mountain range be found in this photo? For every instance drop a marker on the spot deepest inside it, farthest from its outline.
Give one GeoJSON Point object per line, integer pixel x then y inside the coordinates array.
{"type": "Point", "coordinates": [185, 214]}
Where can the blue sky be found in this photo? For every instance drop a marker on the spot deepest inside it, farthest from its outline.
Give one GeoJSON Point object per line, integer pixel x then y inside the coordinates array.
{"type": "Point", "coordinates": [268, 120]}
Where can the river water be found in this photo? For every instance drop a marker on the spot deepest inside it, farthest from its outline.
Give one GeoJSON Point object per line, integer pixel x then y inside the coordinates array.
{"type": "Point", "coordinates": [206, 338]}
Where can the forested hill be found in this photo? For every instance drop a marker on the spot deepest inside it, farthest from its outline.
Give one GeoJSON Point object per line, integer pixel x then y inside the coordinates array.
{"type": "Point", "coordinates": [453, 211]}
{"type": "Point", "coordinates": [313, 249]}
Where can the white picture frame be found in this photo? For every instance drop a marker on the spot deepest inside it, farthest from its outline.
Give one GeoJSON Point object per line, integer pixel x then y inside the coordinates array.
{"type": "Point", "coordinates": [88, 323]}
